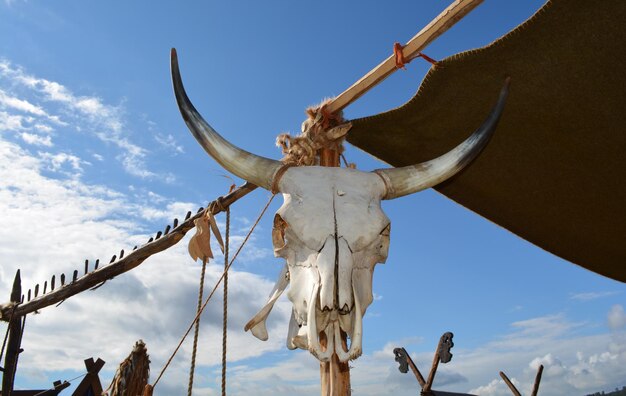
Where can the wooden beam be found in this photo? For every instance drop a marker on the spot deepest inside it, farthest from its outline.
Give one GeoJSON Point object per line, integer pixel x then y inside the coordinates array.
{"type": "Point", "coordinates": [126, 263]}
{"type": "Point", "coordinates": [444, 21]}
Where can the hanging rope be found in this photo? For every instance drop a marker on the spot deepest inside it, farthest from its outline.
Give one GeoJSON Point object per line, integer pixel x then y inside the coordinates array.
{"type": "Point", "coordinates": [197, 329]}
{"type": "Point", "coordinates": [150, 388]}
{"type": "Point", "coordinates": [225, 308]}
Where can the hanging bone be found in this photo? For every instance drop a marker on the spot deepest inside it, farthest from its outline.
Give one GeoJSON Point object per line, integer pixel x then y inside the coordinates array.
{"type": "Point", "coordinates": [330, 229]}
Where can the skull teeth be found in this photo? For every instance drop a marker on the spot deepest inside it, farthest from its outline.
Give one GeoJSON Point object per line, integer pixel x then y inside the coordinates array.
{"type": "Point", "coordinates": [332, 333]}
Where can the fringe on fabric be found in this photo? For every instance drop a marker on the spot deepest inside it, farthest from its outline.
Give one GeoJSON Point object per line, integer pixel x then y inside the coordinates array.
{"type": "Point", "coordinates": [132, 374]}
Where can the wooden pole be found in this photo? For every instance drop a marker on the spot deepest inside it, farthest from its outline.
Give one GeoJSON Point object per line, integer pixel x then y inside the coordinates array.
{"type": "Point", "coordinates": [14, 341]}
{"type": "Point", "coordinates": [334, 375]}
{"type": "Point", "coordinates": [444, 21]}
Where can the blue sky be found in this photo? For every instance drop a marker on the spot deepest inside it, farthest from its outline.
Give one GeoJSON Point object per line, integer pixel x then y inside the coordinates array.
{"type": "Point", "coordinates": [94, 157]}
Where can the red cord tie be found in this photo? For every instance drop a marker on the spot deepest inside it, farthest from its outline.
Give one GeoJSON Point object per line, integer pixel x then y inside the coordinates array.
{"type": "Point", "coordinates": [401, 61]}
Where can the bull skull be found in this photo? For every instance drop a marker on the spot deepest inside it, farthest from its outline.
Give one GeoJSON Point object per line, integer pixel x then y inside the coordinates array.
{"type": "Point", "coordinates": [330, 230]}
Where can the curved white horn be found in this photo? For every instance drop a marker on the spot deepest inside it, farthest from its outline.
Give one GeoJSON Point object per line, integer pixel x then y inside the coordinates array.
{"type": "Point", "coordinates": [413, 178]}
{"type": "Point", "coordinates": [250, 167]}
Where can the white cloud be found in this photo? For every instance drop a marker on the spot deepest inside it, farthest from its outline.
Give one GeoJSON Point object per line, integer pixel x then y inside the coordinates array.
{"type": "Point", "coordinates": [592, 295]}
{"type": "Point", "coordinates": [43, 128]}
{"type": "Point", "coordinates": [86, 113]}
{"type": "Point", "coordinates": [494, 388]}
{"type": "Point", "coordinates": [617, 317]}
{"type": "Point", "coordinates": [170, 143]}
{"type": "Point", "coordinates": [10, 122]}
{"type": "Point", "coordinates": [55, 162]}
{"type": "Point", "coordinates": [20, 104]}
{"type": "Point", "coordinates": [36, 140]}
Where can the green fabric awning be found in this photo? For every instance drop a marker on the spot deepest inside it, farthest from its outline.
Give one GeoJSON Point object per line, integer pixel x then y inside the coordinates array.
{"type": "Point", "coordinates": [555, 171]}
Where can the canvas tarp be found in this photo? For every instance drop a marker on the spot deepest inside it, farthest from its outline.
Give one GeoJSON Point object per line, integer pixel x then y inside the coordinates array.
{"type": "Point", "coordinates": [555, 171]}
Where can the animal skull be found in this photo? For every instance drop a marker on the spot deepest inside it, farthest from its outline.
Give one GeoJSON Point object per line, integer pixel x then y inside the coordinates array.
{"type": "Point", "coordinates": [330, 230]}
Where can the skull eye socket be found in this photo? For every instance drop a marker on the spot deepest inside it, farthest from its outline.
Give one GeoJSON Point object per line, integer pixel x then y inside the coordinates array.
{"type": "Point", "coordinates": [278, 232]}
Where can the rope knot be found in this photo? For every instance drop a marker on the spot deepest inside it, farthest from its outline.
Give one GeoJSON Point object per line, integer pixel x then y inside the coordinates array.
{"type": "Point", "coordinates": [321, 130]}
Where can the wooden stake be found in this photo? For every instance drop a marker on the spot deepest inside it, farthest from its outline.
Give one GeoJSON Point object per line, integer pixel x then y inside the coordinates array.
{"type": "Point", "coordinates": [14, 341]}
{"type": "Point", "coordinates": [510, 384]}
{"type": "Point", "coordinates": [451, 15]}
{"type": "Point", "coordinates": [334, 375]}
{"type": "Point", "coordinates": [537, 381]}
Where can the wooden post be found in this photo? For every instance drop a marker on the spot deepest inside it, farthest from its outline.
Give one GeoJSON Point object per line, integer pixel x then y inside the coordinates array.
{"type": "Point", "coordinates": [537, 381]}
{"type": "Point", "coordinates": [91, 382]}
{"type": "Point", "coordinates": [334, 375]}
{"type": "Point", "coordinates": [15, 339]}
{"type": "Point", "coordinates": [510, 384]}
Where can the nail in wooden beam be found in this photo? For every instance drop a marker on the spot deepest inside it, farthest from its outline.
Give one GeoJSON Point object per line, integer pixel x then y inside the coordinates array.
{"type": "Point", "coordinates": [167, 230]}
{"type": "Point", "coordinates": [175, 223]}
{"type": "Point", "coordinates": [52, 282]}
{"type": "Point", "coordinates": [45, 287]}
{"type": "Point", "coordinates": [121, 254]}
{"type": "Point", "coordinates": [113, 259]}
{"type": "Point", "coordinates": [62, 279]}
{"type": "Point", "coordinates": [36, 290]}
{"type": "Point", "coordinates": [96, 265]}
{"type": "Point", "coordinates": [75, 276]}
{"type": "Point", "coordinates": [188, 216]}
{"type": "Point", "coordinates": [158, 235]}
{"type": "Point", "coordinates": [28, 295]}
{"type": "Point", "coordinates": [86, 266]}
